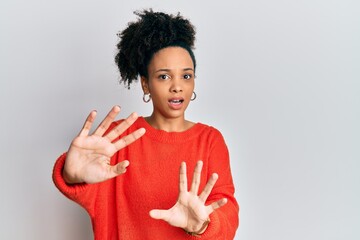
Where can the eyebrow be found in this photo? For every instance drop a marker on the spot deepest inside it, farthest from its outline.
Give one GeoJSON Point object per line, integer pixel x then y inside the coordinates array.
{"type": "Point", "coordinates": [169, 70]}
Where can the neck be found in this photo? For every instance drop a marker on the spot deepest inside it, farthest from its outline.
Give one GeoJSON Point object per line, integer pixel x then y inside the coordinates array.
{"type": "Point", "coordinates": [169, 124]}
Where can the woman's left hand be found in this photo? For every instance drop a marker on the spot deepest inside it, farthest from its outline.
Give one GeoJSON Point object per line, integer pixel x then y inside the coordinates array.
{"type": "Point", "coordinates": [190, 212]}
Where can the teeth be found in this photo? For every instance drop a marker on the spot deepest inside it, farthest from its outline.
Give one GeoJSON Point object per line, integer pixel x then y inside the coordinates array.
{"type": "Point", "coordinates": [176, 101]}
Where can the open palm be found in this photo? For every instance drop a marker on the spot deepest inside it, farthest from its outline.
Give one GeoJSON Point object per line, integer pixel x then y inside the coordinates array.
{"type": "Point", "coordinates": [190, 212]}
{"type": "Point", "coordinates": [88, 158]}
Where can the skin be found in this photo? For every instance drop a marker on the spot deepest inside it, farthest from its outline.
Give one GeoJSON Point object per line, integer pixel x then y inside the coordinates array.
{"type": "Point", "coordinates": [171, 76]}
{"type": "Point", "coordinates": [88, 158]}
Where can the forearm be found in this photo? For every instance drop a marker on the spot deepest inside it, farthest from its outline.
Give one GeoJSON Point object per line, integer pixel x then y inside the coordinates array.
{"type": "Point", "coordinates": [80, 193]}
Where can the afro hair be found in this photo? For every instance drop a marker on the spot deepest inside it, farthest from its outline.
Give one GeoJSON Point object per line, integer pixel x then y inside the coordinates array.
{"type": "Point", "coordinates": [152, 32]}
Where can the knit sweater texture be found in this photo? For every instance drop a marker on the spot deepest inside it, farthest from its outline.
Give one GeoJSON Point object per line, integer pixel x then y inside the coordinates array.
{"type": "Point", "coordinates": [119, 207]}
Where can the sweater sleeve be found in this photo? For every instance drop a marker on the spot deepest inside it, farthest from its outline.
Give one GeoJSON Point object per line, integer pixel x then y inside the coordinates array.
{"type": "Point", "coordinates": [224, 221]}
{"type": "Point", "coordinates": [83, 194]}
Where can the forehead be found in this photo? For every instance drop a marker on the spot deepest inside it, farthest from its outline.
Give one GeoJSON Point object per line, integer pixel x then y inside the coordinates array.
{"type": "Point", "coordinates": [171, 58]}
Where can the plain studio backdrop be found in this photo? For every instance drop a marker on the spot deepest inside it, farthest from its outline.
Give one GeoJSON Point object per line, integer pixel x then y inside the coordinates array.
{"type": "Point", "coordinates": [280, 80]}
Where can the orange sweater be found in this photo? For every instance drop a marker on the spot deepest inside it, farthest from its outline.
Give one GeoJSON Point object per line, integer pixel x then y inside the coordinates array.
{"type": "Point", "coordinates": [119, 208]}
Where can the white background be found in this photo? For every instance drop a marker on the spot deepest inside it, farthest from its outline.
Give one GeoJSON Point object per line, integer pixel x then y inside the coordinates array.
{"type": "Point", "coordinates": [280, 80]}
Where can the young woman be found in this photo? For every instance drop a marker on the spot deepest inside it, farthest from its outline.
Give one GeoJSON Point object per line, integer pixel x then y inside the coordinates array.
{"type": "Point", "coordinates": [129, 174]}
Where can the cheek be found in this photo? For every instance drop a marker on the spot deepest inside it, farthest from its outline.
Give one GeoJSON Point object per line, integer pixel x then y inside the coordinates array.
{"type": "Point", "coordinates": [153, 88]}
{"type": "Point", "coordinates": [190, 87]}
{"type": "Point", "coordinates": [157, 92]}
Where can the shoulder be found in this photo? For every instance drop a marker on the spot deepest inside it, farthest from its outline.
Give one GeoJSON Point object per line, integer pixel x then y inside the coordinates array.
{"type": "Point", "coordinates": [211, 132]}
{"type": "Point", "coordinates": [210, 129]}
{"type": "Point", "coordinates": [214, 139]}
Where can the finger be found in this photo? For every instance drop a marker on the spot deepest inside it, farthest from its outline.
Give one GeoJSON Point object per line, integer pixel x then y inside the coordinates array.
{"type": "Point", "coordinates": [215, 205]}
{"type": "Point", "coordinates": [159, 214]}
{"type": "Point", "coordinates": [128, 139]}
{"type": "Point", "coordinates": [104, 125]}
{"type": "Point", "coordinates": [118, 169]}
{"type": "Point", "coordinates": [183, 178]}
{"type": "Point", "coordinates": [119, 129]}
{"type": "Point", "coordinates": [196, 178]}
{"type": "Point", "coordinates": [208, 187]}
{"type": "Point", "coordinates": [88, 123]}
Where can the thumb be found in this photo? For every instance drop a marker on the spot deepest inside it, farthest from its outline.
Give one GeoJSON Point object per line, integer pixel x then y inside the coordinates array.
{"type": "Point", "coordinates": [159, 214]}
{"type": "Point", "coordinates": [120, 168]}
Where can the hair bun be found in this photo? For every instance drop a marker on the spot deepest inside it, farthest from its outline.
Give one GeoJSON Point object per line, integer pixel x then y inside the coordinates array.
{"type": "Point", "coordinates": [150, 33]}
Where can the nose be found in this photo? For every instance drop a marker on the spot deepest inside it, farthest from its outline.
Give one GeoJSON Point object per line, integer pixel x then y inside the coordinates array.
{"type": "Point", "coordinates": [176, 86]}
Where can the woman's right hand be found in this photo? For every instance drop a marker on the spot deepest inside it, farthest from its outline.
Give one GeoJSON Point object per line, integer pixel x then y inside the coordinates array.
{"type": "Point", "coordinates": [88, 158]}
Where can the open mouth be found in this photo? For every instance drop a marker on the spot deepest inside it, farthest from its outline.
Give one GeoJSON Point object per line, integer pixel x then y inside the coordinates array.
{"type": "Point", "coordinates": [176, 101]}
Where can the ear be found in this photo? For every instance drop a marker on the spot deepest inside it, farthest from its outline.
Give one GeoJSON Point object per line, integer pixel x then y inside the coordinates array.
{"type": "Point", "coordinates": [145, 84]}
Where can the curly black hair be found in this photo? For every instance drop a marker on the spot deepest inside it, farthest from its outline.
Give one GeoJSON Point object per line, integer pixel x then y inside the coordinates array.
{"type": "Point", "coordinates": [152, 32]}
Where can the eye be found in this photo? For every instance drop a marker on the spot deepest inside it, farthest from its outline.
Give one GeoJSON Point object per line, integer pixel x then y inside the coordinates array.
{"type": "Point", "coordinates": [187, 76]}
{"type": "Point", "coordinates": [164, 76]}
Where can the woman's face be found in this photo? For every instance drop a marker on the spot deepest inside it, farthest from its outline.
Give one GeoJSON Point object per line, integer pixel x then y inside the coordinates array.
{"type": "Point", "coordinates": [170, 82]}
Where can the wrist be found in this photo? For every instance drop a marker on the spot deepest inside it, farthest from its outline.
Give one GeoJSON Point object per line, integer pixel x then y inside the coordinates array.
{"type": "Point", "coordinates": [201, 230]}
{"type": "Point", "coordinates": [69, 179]}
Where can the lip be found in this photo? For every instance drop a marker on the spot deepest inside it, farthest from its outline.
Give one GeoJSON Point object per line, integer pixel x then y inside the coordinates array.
{"type": "Point", "coordinates": [176, 103]}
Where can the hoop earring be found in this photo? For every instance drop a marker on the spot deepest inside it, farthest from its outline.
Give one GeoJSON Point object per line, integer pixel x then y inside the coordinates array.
{"type": "Point", "coordinates": [144, 97]}
{"type": "Point", "coordinates": [193, 97]}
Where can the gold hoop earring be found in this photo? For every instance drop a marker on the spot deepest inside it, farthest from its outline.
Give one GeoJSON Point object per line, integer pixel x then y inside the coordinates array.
{"type": "Point", "coordinates": [193, 97]}
{"type": "Point", "coordinates": [144, 97]}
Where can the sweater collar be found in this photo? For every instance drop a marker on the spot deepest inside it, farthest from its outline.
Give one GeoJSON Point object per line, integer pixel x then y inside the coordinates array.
{"type": "Point", "coordinates": [170, 137]}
